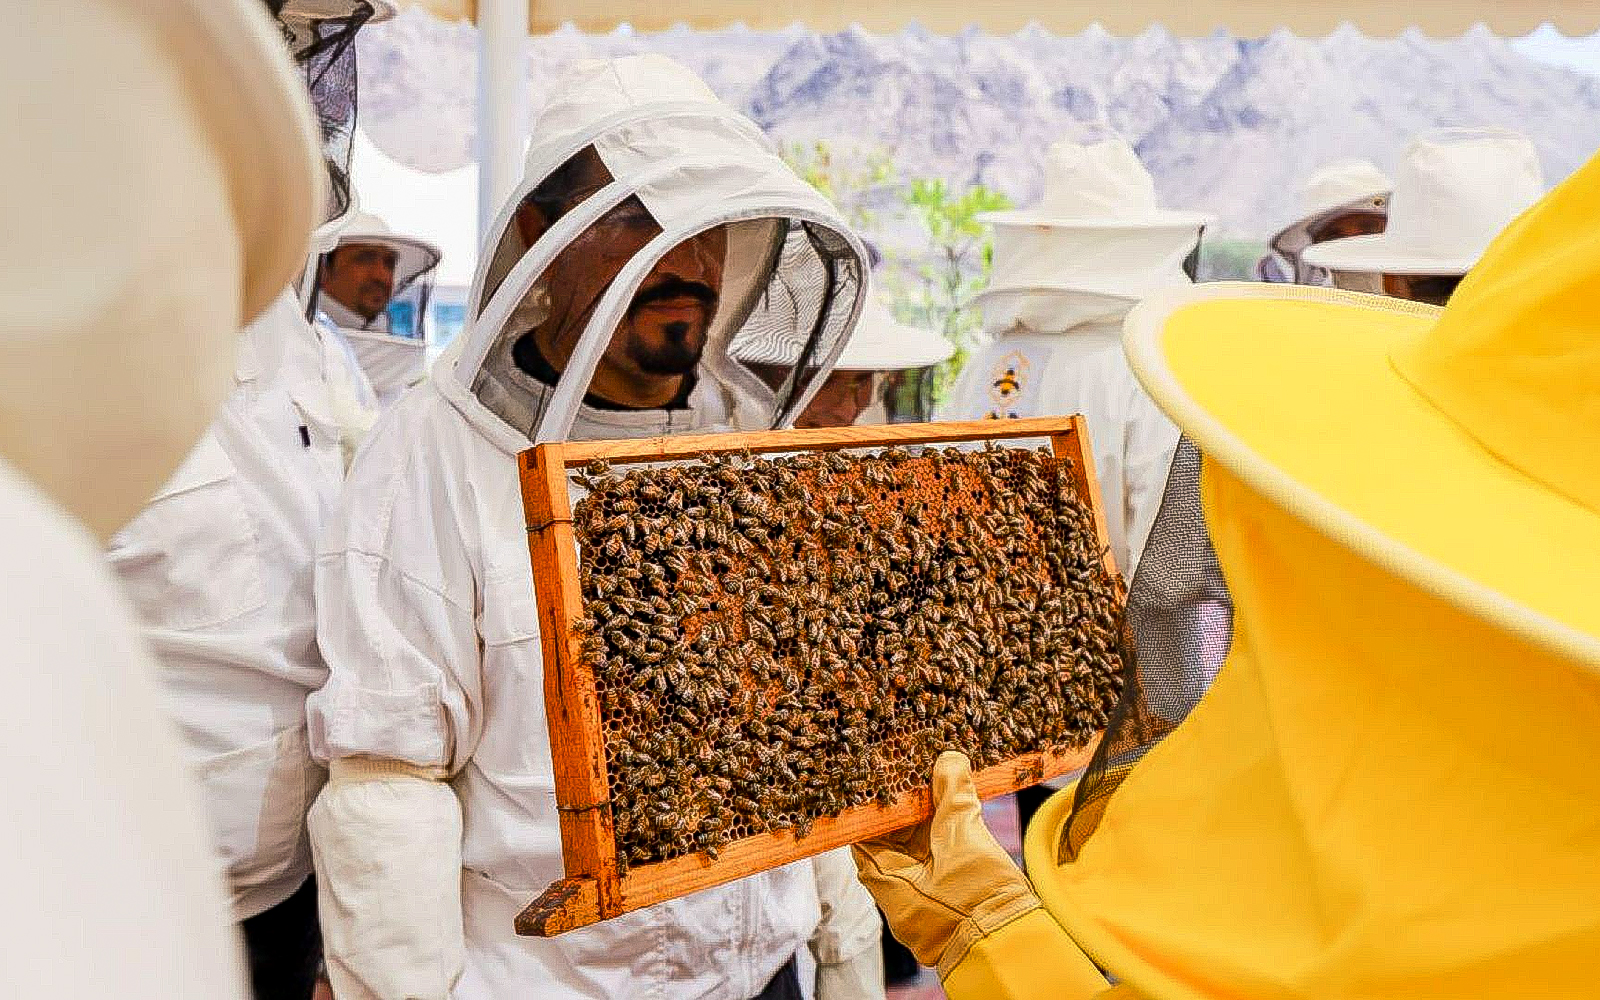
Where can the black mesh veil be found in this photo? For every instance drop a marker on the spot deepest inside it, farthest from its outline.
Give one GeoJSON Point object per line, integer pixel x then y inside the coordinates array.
{"type": "Point", "coordinates": [1179, 626]}
{"type": "Point", "coordinates": [810, 281]}
{"type": "Point", "coordinates": [324, 50]}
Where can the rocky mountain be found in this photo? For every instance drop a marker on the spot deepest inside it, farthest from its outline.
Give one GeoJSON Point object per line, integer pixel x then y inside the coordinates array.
{"type": "Point", "coordinates": [1227, 125]}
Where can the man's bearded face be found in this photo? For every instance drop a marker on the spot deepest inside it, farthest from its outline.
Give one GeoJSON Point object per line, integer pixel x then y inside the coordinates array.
{"type": "Point", "coordinates": [360, 276]}
{"type": "Point", "coordinates": [665, 328]}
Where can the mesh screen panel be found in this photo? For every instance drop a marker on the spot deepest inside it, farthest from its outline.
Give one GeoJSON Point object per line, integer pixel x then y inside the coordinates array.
{"type": "Point", "coordinates": [1179, 624]}
{"type": "Point", "coordinates": [324, 49]}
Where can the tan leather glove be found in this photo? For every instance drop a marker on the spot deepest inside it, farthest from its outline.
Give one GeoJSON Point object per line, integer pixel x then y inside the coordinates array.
{"type": "Point", "coordinates": [945, 883]}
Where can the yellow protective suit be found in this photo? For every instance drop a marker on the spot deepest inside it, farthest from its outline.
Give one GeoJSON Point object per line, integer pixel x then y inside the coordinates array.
{"type": "Point", "coordinates": [1381, 796]}
{"type": "Point", "coordinates": [1391, 790]}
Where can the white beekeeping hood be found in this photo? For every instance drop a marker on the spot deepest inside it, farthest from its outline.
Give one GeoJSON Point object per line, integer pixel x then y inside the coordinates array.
{"type": "Point", "coordinates": [693, 165]}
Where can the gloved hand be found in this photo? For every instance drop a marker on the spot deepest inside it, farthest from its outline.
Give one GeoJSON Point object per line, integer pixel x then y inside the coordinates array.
{"type": "Point", "coordinates": [945, 883]}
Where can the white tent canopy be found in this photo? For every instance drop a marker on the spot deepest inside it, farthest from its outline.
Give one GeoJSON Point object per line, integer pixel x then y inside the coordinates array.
{"type": "Point", "coordinates": [1248, 18]}
{"type": "Point", "coordinates": [503, 96]}
{"type": "Point", "coordinates": [434, 207]}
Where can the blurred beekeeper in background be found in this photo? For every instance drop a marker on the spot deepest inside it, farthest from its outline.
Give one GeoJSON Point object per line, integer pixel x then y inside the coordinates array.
{"type": "Point", "coordinates": [856, 389]}
{"type": "Point", "coordinates": [1455, 191]}
{"type": "Point", "coordinates": [1066, 272]}
{"type": "Point", "coordinates": [374, 287]}
{"type": "Point", "coordinates": [218, 564]}
{"type": "Point", "coordinates": [114, 355]}
{"type": "Point", "coordinates": [649, 223]}
{"type": "Point", "coordinates": [1348, 197]}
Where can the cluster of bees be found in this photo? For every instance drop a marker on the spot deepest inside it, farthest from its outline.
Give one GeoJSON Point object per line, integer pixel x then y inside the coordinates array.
{"type": "Point", "coordinates": [779, 640]}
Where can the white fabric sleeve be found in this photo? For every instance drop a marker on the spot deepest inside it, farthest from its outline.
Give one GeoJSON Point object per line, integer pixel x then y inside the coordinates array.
{"type": "Point", "coordinates": [1150, 440]}
{"type": "Point", "coordinates": [859, 978]}
{"type": "Point", "coordinates": [401, 706]}
{"type": "Point", "coordinates": [846, 941]}
{"type": "Point", "coordinates": [404, 669]}
{"type": "Point", "coordinates": [387, 844]}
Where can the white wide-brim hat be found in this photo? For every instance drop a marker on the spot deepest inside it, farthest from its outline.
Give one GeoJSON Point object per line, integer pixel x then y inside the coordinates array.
{"type": "Point", "coordinates": [1341, 184]}
{"type": "Point", "coordinates": [1054, 278]}
{"type": "Point", "coordinates": [1131, 262]}
{"type": "Point", "coordinates": [1097, 185]}
{"type": "Point", "coordinates": [1050, 308]}
{"type": "Point", "coordinates": [415, 257]}
{"type": "Point", "coordinates": [1334, 189]}
{"type": "Point", "coordinates": [882, 343]}
{"type": "Point", "coordinates": [382, 10]}
{"type": "Point", "coordinates": [1454, 193]}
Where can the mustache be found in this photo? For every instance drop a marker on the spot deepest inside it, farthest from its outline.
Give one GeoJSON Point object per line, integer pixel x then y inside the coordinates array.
{"type": "Point", "coordinates": [674, 288]}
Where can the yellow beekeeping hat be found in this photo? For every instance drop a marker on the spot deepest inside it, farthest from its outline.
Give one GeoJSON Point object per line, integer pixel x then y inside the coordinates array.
{"type": "Point", "coordinates": [1391, 788]}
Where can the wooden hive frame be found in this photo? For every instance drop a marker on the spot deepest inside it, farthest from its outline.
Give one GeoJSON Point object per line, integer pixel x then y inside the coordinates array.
{"type": "Point", "coordinates": [593, 890]}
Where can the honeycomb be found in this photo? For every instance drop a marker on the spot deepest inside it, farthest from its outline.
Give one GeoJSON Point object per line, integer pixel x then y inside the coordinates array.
{"type": "Point", "coordinates": [777, 640]}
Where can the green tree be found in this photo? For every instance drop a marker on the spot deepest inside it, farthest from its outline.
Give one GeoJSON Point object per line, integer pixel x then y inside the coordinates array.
{"type": "Point", "coordinates": [957, 267]}
{"type": "Point", "coordinates": [929, 286]}
{"type": "Point", "coordinates": [848, 178]}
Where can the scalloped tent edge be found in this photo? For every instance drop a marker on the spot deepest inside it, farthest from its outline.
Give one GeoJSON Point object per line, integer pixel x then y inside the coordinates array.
{"type": "Point", "coordinates": [1245, 18]}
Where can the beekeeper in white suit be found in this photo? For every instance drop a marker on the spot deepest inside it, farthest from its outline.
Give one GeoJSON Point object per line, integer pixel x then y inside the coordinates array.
{"type": "Point", "coordinates": [649, 222]}
{"type": "Point", "coordinates": [114, 354]}
{"type": "Point", "coordinates": [218, 564]}
{"type": "Point", "coordinates": [1455, 191]}
{"type": "Point", "coordinates": [1066, 272]}
{"type": "Point", "coordinates": [374, 288]}
{"type": "Point", "coordinates": [1347, 197]}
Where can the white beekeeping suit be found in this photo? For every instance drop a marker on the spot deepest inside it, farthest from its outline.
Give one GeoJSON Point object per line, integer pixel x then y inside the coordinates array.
{"type": "Point", "coordinates": [353, 401]}
{"type": "Point", "coordinates": [218, 565]}
{"type": "Point", "coordinates": [391, 344]}
{"type": "Point", "coordinates": [1066, 272]}
{"type": "Point", "coordinates": [121, 292]}
{"type": "Point", "coordinates": [651, 210]}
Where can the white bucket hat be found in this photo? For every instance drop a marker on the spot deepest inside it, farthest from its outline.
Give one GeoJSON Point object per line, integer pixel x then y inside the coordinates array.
{"type": "Point", "coordinates": [880, 342]}
{"type": "Point", "coordinates": [416, 257]}
{"type": "Point", "coordinates": [1095, 243]}
{"type": "Point", "coordinates": [382, 10]}
{"type": "Point", "coordinates": [1455, 191]}
{"type": "Point", "coordinates": [1342, 185]}
{"type": "Point", "coordinates": [1096, 185]}
{"type": "Point", "coordinates": [1345, 187]}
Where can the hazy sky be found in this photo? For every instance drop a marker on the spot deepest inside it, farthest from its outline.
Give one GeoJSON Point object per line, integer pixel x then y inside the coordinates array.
{"type": "Point", "coordinates": [1549, 45]}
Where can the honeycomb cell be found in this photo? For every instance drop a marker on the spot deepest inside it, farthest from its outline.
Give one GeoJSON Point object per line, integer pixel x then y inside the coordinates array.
{"type": "Point", "coordinates": [775, 641]}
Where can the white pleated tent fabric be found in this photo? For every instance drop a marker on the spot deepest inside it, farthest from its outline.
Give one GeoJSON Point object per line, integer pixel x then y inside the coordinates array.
{"type": "Point", "coordinates": [1242, 17]}
{"type": "Point", "coordinates": [437, 206]}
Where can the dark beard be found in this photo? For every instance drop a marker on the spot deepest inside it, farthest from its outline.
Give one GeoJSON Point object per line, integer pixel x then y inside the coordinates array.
{"type": "Point", "coordinates": [674, 357]}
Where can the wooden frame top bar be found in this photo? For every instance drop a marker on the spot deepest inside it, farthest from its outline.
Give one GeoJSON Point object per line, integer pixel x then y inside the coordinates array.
{"type": "Point", "coordinates": [655, 449]}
